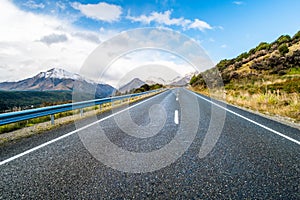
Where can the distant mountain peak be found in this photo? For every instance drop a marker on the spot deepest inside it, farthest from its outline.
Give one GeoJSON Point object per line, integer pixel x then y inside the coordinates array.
{"type": "Point", "coordinates": [60, 74]}
{"type": "Point", "coordinates": [153, 80]}
{"type": "Point", "coordinates": [133, 84]}
{"type": "Point", "coordinates": [58, 79]}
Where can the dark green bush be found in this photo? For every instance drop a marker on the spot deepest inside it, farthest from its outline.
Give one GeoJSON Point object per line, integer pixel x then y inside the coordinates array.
{"type": "Point", "coordinates": [263, 46]}
{"type": "Point", "coordinates": [296, 36]}
{"type": "Point", "coordinates": [283, 39]}
{"type": "Point", "coordinates": [283, 49]}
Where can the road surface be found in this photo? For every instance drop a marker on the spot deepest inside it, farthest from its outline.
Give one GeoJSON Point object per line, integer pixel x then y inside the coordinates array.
{"type": "Point", "coordinates": [252, 157]}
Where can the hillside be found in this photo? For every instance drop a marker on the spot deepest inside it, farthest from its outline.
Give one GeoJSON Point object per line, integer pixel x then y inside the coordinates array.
{"type": "Point", "coordinates": [15, 100]}
{"type": "Point", "coordinates": [133, 84]}
{"type": "Point", "coordinates": [266, 78]}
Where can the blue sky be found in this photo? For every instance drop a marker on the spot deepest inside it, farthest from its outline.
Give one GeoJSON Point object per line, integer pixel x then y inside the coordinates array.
{"type": "Point", "coordinates": [237, 26]}
{"type": "Point", "coordinates": [224, 28]}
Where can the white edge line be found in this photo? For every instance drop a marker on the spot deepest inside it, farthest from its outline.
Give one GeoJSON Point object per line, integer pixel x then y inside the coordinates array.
{"type": "Point", "coordinates": [176, 117]}
{"type": "Point", "coordinates": [250, 120]}
{"type": "Point", "coordinates": [71, 133]}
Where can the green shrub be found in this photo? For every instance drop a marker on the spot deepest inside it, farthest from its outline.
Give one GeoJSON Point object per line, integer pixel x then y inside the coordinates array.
{"type": "Point", "coordinates": [242, 56]}
{"type": "Point", "coordinates": [296, 36]}
{"type": "Point", "coordinates": [263, 46]}
{"type": "Point", "coordinates": [283, 39]}
{"type": "Point", "coordinates": [193, 80]}
{"type": "Point", "coordinates": [283, 49]}
{"type": "Point", "coordinates": [224, 63]}
{"type": "Point", "coordinates": [293, 71]}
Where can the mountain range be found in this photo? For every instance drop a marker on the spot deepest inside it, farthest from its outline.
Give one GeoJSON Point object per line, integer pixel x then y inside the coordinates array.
{"type": "Point", "coordinates": [135, 83]}
{"type": "Point", "coordinates": [58, 79]}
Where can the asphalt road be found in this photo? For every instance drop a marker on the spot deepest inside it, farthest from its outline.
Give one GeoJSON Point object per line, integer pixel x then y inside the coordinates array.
{"type": "Point", "coordinates": [175, 145]}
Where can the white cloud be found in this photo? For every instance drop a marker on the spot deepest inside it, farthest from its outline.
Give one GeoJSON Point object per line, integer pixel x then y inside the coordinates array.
{"type": "Point", "coordinates": [238, 2]}
{"type": "Point", "coordinates": [101, 11]}
{"type": "Point", "coordinates": [144, 64]}
{"type": "Point", "coordinates": [22, 49]}
{"type": "Point", "coordinates": [60, 5]}
{"type": "Point", "coordinates": [88, 36]}
{"type": "Point", "coordinates": [224, 46]}
{"type": "Point", "coordinates": [200, 25]}
{"type": "Point", "coordinates": [160, 18]}
{"type": "Point", "coordinates": [220, 27]}
{"type": "Point", "coordinates": [24, 54]}
{"type": "Point", "coordinates": [32, 4]}
{"type": "Point", "coordinates": [165, 19]}
{"type": "Point", "coordinates": [54, 38]}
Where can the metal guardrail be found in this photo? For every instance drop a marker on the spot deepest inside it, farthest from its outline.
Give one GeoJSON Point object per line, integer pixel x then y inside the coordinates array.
{"type": "Point", "coordinates": [12, 117]}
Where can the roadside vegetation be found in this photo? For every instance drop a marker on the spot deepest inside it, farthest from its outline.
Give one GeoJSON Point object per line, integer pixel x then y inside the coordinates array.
{"type": "Point", "coordinates": [146, 87]}
{"type": "Point", "coordinates": [21, 100]}
{"type": "Point", "coordinates": [143, 88]}
{"type": "Point", "coordinates": [264, 79]}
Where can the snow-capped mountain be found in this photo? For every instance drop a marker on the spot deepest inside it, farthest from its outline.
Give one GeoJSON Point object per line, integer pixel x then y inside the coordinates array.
{"type": "Point", "coordinates": [63, 74]}
{"type": "Point", "coordinates": [153, 80]}
{"type": "Point", "coordinates": [178, 81]}
{"type": "Point", "coordinates": [58, 79]}
{"type": "Point", "coordinates": [59, 73]}
{"type": "Point", "coordinates": [182, 81]}
{"type": "Point", "coordinates": [133, 84]}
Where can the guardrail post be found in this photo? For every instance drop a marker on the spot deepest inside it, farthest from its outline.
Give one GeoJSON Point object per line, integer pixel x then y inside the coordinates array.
{"type": "Point", "coordinates": [52, 119]}
{"type": "Point", "coordinates": [100, 107]}
{"type": "Point", "coordinates": [81, 112]}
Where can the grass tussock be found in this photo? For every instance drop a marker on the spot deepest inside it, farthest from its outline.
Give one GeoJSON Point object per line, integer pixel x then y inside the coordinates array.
{"type": "Point", "coordinates": [272, 102]}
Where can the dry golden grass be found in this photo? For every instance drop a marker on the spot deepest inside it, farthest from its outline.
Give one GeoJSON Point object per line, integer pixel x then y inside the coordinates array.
{"type": "Point", "coordinates": [275, 103]}
{"type": "Point", "coordinates": [244, 69]}
{"type": "Point", "coordinates": [294, 47]}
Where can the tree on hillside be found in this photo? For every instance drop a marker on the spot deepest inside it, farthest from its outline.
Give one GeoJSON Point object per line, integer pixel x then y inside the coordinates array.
{"type": "Point", "coordinates": [262, 46]}
{"type": "Point", "coordinates": [296, 37]}
{"type": "Point", "coordinates": [242, 56]}
{"type": "Point", "coordinates": [193, 80]}
{"type": "Point", "coordinates": [147, 87]}
{"type": "Point", "coordinates": [283, 49]}
{"type": "Point", "coordinates": [283, 39]}
{"type": "Point", "coordinates": [224, 63]}
{"type": "Point", "coordinates": [156, 86]}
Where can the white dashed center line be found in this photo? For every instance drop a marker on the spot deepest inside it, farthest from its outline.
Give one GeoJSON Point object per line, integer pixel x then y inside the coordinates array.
{"type": "Point", "coordinates": [176, 117]}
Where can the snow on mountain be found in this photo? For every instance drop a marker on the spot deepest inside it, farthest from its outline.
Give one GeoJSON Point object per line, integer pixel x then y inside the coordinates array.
{"type": "Point", "coordinates": [178, 81]}
{"type": "Point", "coordinates": [62, 74]}
{"type": "Point", "coordinates": [153, 80]}
{"type": "Point", "coordinates": [182, 81]}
